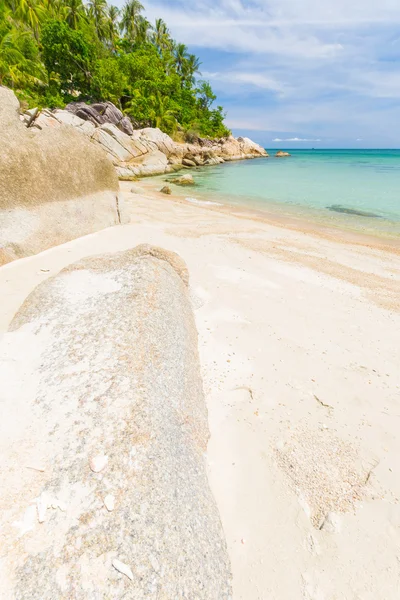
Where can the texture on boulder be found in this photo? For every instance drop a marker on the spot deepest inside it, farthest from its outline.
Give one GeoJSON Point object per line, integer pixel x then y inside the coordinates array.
{"type": "Point", "coordinates": [55, 185]}
{"type": "Point", "coordinates": [108, 415]}
{"type": "Point", "coordinates": [101, 112]}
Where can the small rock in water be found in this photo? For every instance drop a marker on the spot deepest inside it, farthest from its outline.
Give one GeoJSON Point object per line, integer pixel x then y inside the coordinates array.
{"type": "Point", "coordinates": [184, 180]}
{"type": "Point", "coordinates": [98, 463]}
{"type": "Point", "coordinates": [109, 502]}
{"type": "Point", "coordinates": [166, 190]}
{"type": "Point", "coordinates": [122, 568]}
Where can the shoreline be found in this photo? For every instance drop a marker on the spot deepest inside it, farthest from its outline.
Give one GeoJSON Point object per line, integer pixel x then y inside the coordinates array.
{"type": "Point", "coordinates": [298, 343]}
{"type": "Point", "coordinates": [295, 222]}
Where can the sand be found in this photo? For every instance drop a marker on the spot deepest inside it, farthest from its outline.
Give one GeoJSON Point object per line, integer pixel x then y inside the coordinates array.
{"type": "Point", "coordinates": [299, 337]}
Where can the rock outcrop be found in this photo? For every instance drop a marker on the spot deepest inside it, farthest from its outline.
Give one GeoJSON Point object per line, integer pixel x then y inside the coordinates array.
{"type": "Point", "coordinates": [100, 113]}
{"type": "Point", "coordinates": [183, 180]}
{"type": "Point", "coordinates": [281, 154]}
{"type": "Point", "coordinates": [54, 184]}
{"type": "Point", "coordinates": [141, 152]}
{"type": "Point", "coordinates": [105, 491]}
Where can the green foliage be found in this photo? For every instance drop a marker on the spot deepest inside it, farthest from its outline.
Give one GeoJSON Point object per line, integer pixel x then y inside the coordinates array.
{"type": "Point", "coordinates": [67, 53]}
{"type": "Point", "coordinates": [108, 82]}
{"type": "Point", "coordinates": [55, 51]}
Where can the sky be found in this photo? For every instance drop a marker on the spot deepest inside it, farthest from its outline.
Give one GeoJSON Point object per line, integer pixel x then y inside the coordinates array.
{"type": "Point", "coordinates": [297, 73]}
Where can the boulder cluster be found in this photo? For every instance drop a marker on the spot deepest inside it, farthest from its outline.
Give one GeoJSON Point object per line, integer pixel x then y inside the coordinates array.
{"type": "Point", "coordinates": [140, 152]}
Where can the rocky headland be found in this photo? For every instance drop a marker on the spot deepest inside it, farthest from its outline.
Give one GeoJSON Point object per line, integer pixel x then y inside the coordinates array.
{"type": "Point", "coordinates": [140, 152]}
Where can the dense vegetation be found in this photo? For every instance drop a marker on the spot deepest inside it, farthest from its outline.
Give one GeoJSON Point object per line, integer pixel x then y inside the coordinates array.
{"type": "Point", "coordinates": [56, 51]}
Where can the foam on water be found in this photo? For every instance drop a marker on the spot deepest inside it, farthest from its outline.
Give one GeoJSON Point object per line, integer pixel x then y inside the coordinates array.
{"type": "Point", "coordinates": [200, 202]}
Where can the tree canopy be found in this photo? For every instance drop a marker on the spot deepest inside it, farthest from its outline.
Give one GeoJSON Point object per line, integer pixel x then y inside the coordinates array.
{"type": "Point", "coordinates": [56, 51]}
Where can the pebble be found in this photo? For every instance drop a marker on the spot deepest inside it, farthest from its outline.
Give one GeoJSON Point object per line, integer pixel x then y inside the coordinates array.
{"type": "Point", "coordinates": [122, 568]}
{"type": "Point", "coordinates": [331, 523]}
{"type": "Point", "coordinates": [98, 463]}
{"type": "Point", "coordinates": [109, 502]}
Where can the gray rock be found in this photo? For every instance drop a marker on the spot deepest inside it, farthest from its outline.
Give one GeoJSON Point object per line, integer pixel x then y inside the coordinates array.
{"type": "Point", "coordinates": [184, 180]}
{"type": "Point", "coordinates": [188, 163]}
{"type": "Point", "coordinates": [115, 372]}
{"type": "Point", "coordinates": [125, 125]}
{"type": "Point", "coordinates": [55, 184]}
{"type": "Point", "coordinates": [101, 112]}
{"type": "Point", "coordinates": [136, 190]}
{"type": "Point", "coordinates": [30, 115]}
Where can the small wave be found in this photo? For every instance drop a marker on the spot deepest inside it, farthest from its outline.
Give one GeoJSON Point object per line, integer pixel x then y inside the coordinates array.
{"type": "Point", "coordinates": [206, 202]}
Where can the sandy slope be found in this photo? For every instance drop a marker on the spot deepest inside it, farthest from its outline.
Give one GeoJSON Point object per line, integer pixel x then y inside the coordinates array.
{"type": "Point", "coordinates": [300, 349]}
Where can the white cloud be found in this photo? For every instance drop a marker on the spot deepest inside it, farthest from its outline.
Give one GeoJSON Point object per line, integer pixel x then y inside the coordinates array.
{"type": "Point", "coordinates": [295, 139]}
{"type": "Point", "coordinates": [322, 69]}
{"type": "Point", "coordinates": [231, 26]}
{"type": "Point", "coordinates": [258, 80]}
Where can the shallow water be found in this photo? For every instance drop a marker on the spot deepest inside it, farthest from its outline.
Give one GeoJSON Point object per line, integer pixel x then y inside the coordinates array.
{"type": "Point", "coordinates": [356, 189]}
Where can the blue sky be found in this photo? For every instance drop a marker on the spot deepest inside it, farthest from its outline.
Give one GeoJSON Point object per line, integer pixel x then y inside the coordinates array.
{"type": "Point", "coordinates": [323, 71]}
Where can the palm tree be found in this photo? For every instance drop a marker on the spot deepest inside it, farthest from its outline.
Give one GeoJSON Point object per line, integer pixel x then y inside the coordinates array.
{"type": "Point", "coordinates": [181, 56]}
{"type": "Point", "coordinates": [190, 67]}
{"type": "Point", "coordinates": [112, 25]}
{"type": "Point", "coordinates": [98, 12]}
{"type": "Point", "coordinates": [162, 115]}
{"type": "Point", "coordinates": [143, 30]}
{"type": "Point", "coordinates": [74, 13]}
{"type": "Point", "coordinates": [30, 12]}
{"type": "Point", "coordinates": [130, 18]}
{"type": "Point", "coordinates": [15, 68]}
{"type": "Point", "coordinates": [161, 37]}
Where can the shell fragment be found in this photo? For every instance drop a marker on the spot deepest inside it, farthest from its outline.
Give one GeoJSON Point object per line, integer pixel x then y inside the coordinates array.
{"type": "Point", "coordinates": [122, 568]}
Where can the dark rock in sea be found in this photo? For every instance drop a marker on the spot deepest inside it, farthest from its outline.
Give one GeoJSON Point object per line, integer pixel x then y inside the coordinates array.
{"type": "Point", "coordinates": [353, 211]}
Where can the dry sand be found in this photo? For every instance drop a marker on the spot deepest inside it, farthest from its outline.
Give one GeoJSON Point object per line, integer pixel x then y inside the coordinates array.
{"type": "Point", "coordinates": [299, 340]}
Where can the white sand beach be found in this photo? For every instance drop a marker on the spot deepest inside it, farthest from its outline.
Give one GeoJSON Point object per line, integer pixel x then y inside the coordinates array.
{"type": "Point", "coordinates": [299, 340]}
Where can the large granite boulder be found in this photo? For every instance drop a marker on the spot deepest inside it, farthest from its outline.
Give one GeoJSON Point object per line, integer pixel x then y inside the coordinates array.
{"type": "Point", "coordinates": [104, 429]}
{"type": "Point", "coordinates": [55, 185]}
{"type": "Point", "coordinates": [232, 148]}
{"type": "Point", "coordinates": [100, 113]}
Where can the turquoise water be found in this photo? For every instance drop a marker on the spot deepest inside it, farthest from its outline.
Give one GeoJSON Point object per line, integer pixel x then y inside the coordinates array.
{"type": "Point", "coordinates": [316, 184]}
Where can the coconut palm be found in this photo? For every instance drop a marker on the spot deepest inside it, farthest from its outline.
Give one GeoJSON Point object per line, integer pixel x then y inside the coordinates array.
{"type": "Point", "coordinates": [190, 67]}
{"type": "Point", "coordinates": [98, 13]}
{"type": "Point", "coordinates": [181, 56]}
{"type": "Point", "coordinates": [111, 27]}
{"type": "Point", "coordinates": [130, 18]}
{"type": "Point", "coordinates": [74, 13]}
{"type": "Point", "coordinates": [162, 115]}
{"type": "Point", "coordinates": [143, 30]}
{"type": "Point", "coordinates": [161, 37]}
{"type": "Point", "coordinates": [31, 13]}
{"type": "Point", "coordinates": [15, 68]}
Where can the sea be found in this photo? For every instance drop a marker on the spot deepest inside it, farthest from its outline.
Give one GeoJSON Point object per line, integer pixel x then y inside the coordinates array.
{"type": "Point", "coordinates": [352, 189]}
